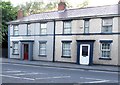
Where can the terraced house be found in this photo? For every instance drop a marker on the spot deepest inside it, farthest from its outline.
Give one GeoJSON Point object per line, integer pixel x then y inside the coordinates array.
{"type": "Point", "coordinates": [83, 36]}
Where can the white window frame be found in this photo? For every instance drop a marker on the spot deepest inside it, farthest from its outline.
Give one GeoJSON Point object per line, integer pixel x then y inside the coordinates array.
{"type": "Point", "coordinates": [43, 28]}
{"type": "Point", "coordinates": [65, 27]}
{"type": "Point", "coordinates": [42, 48]}
{"type": "Point", "coordinates": [107, 25]}
{"type": "Point", "coordinates": [105, 50]}
{"type": "Point", "coordinates": [64, 49]}
{"type": "Point", "coordinates": [86, 26]}
{"type": "Point", "coordinates": [28, 29]}
{"type": "Point", "coordinates": [15, 48]}
{"type": "Point", "coordinates": [15, 29]}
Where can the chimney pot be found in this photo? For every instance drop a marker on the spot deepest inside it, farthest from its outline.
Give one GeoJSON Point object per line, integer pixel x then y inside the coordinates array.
{"type": "Point", "coordinates": [20, 14]}
{"type": "Point", "coordinates": [61, 5]}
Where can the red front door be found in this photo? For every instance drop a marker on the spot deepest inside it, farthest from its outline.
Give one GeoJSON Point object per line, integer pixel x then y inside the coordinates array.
{"type": "Point", "coordinates": [25, 51]}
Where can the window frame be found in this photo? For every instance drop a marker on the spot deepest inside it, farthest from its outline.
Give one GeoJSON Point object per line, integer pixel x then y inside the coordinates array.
{"type": "Point", "coordinates": [105, 50]}
{"type": "Point", "coordinates": [15, 30]}
{"type": "Point", "coordinates": [43, 42]}
{"type": "Point", "coordinates": [70, 21]}
{"type": "Point", "coordinates": [66, 42]}
{"type": "Point", "coordinates": [43, 28]}
{"type": "Point", "coordinates": [27, 28]}
{"type": "Point", "coordinates": [13, 47]}
{"type": "Point", "coordinates": [86, 20]}
{"type": "Point", "coordinates": [110, 31]}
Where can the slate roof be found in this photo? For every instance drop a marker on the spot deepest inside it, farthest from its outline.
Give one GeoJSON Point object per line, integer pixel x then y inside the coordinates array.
{"type": "Point", "coordinates": [71, 13]}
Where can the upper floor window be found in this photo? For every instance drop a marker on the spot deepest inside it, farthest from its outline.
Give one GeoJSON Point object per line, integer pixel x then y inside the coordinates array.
{"type": "Point", "coordinates": [15, 48]}
{"type": "Point", "coordinates": [28, 29]}
{"type": "Point", "coordinates": [107, 25]}
{"type": "Point", "coordinates": [66, 49]}
{"type": "Point", "coordinates": [86, 26]}
{"type": "Point", "coordinates": [15, 30]}
{"type": "Point", "coordinates": [43, 28]}
{"type": "Point", "coordinates": [67, 27]}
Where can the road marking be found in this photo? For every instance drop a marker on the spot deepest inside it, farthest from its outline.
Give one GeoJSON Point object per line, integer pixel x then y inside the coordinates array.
{"type": "Point", "coordinates": [102, 71]}
{"type": "Point", "coordinates": [60, 68]}
{"type": "Point", "coordinates": [27, 74]}
{"type": "Point", "coordinates": [13, 71]}
{"type": "Point", "coordinates": [47, 67]}
{"type": "Point", "coordinates": [98, 81]}
{"type": "Point", "coordinates": [17, 77]}
{"type": "Point", "coordinates": [91, 78]}
{"type": "Point", "coordinates": [57, 77]}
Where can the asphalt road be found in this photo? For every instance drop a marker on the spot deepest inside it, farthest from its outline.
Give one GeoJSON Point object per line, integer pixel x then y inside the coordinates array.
{"type": "Point", "coordinates": [18, 73]}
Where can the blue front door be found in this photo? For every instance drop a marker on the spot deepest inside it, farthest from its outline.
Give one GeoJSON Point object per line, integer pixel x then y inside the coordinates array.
{"type": "Point", "coordinates": [85, 52]}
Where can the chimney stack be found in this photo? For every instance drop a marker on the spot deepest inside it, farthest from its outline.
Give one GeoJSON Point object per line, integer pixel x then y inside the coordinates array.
{"type": "Point", "coordinates": [61, 5]}
{"type": "Point", "coordinates": [20, 14]}
{"type": "Point", "coordinates": [119, 2]}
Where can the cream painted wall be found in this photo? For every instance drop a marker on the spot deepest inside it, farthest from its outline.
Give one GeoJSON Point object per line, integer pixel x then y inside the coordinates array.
{"type": "Point", "coordinates": [59, 27]}
{"type": "Point", "coordinates": [95, 27]}
{"type": "Point", "coordinates": [58, 48]}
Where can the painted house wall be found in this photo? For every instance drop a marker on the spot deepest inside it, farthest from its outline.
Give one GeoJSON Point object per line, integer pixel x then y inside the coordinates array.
{"type": "Point", "coordinates": [77, 27]}
{"type": "Point", "coordinates": [35, 35]}
{"type": "Point", "coordinates": [48, 39]}
{"type": "Point", "coordinates": [60, 38]}
{"type": "Point", "coordinates": [23, 29]}
{"type": "Point", "coordinates": [95, 27]}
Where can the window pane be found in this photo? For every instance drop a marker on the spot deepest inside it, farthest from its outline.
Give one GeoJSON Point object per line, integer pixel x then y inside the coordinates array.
{"type": "Point", "coordinates": [107, 25]}
{"type": "Point", "coordinates": [43, 29]}
{"type": "Point", "coordinates": [15, 32]}
{"type": "Point", "coordinates": [44, 25]}
{"type": "Point", "coordinates": [107, 22]}
{"type": "Point", "coordinates": [15, 48]}
{"type": "Point", "coordinates": [68, 30]}
{"type": "Point", "coordinates": [67, 27]}
{"type": "Point", "coordinates": [29, 29]}
{"type": "Point", "coordinates": [84, 50]}
{"type": "Point", "coordinates": [86, 26]}
{"type": "Point", "coordinates": [15, 51]}
{"type": "Point", "coordinates": [66, 49]}
{"type": "Point", "coordinates": [86, 30]}
{"type": "Point", "coordinates": [105, 51]}
{"type": "Point", "coordinates": [107, 29]}
{"type": "Point", "coordinates": [15, 29]}
{"type": "Point", "coordinates": [42, 49]}
{"type": "Point", "coordinates": [86, 23]}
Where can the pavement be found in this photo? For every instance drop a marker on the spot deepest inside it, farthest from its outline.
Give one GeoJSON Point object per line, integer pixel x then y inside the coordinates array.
{"type": "Point", "coordinates": [63, 65]}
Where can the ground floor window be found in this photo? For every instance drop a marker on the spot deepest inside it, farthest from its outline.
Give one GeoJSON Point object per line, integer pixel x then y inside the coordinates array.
{"type": "Point", "coordinates": [15, 48]}
{"type": "Point", "coordinates": [42, 48]}
{"type": "Point", "coordinates": [66, 49]}
{"type": "Point", "coordinates": [105, 49]}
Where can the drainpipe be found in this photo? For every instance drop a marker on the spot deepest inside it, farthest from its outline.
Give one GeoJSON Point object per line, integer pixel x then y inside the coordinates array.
{"type": "Point", "coordinates": [54, 42]}
{"type": "Point", "coordinates": [8, 41]}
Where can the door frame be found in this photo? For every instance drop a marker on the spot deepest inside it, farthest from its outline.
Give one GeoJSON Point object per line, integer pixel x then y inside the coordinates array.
{"type": "Point", "coordinates": [88, 52]}
{"type": "Point", "coordinates": [91, 43]}
{"type": "Point", "coordinates": [30, 49]}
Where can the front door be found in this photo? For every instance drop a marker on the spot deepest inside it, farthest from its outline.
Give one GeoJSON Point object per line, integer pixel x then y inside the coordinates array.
{"type": "Point", "coordinates": [25, 51]}
{"type": "Point", "coordinates": [84, 54]}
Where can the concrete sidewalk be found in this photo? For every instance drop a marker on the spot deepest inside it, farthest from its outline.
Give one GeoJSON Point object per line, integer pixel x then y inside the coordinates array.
{"type": "Point", "coordinates": [63, 65]}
